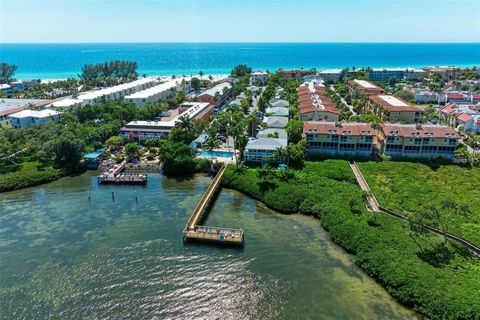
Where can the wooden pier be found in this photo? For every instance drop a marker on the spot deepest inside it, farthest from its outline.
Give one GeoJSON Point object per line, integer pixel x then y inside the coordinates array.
{"type": "Point", "coordinates": [114, 174]}
{"type": "Point", "coordinates": [194, 231]}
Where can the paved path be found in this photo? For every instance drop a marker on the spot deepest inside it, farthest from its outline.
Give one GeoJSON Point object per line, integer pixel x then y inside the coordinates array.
{"type": "Point", "coordinates": [343, 100]}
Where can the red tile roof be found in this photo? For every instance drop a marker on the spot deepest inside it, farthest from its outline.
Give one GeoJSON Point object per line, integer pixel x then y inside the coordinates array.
{"type": "Point", "coordinates": [464, 117]}
{"type": "Point", "coordinates": [315, 101]}
{"type": "Point", "coordinates": [12, 111]}
{"type": "Point", "coordinates": [424, 131]}
{"type": "Point", "coordinates": [338, 128]}
{"type": "Point", "coordinates": [476, 97]}
{"type": "Point", "coordinates": [455, 96]}
{"type": "Point", "coordinates": [447, 110]}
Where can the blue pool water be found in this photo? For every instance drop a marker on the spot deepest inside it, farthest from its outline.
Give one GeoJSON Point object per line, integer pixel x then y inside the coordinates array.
{"type": "Point", "coordinates": [66, 60]}
{"type": "Point", "coordinates": [222, 154]}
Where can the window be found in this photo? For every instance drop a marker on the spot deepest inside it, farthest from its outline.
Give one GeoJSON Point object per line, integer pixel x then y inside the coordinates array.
{"type": "Point", "coordinates": [418, 141]}
{"type": "Point", "coordinates": [390, 139]}
{"type": "Point", "coordinates": [369, 139]}
{"type": "Point", "coordinates": [426, 141]}
{"type": "Point", "coordinates": [343, 139]}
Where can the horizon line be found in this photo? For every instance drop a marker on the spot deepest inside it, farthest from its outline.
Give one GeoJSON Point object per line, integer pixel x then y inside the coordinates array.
{"type": "Point", "coordinates": [249, 42]}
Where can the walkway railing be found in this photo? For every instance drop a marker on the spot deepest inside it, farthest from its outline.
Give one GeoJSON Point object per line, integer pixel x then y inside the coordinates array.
{"type": "Point", "coordinates": [374, 206]}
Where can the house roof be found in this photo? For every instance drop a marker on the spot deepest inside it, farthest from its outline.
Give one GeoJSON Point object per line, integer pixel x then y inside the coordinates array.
{"type": "Point", "coordinates": [455, 96]}
{"type": "Point", "coordinates": [447, 110]}
{"type": "Point", "coordinates": [277, 111]}
{"type": "Point", "coordinates": [338, 128]}
{"type": "Point", "coordinates": [282, 133]}
{"type": "Point", "coordinates": [35, 113]}
{"type": "Point", "coordinates": [464, 117]}
{"type": "Point", "coordinates": [311, 99]}
{"type": "Point", "coordinates": [276, 122]}
{"type": "Point", "coordinates": [393, 104]}
{"type": "Point", "coordinates": [417, 131]}
{"type": "Point", "coordinates": [266, 144]}
{"type": "Point", "coordinates": [218, 88]}
{"type": "Point", "coordinates": [280, 103]}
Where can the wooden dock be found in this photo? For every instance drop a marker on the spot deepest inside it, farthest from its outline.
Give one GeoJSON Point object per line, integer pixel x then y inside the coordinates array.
{"type": "Point", "coordinates": [194, 231]}
{"type": "Point", "coordinates": [114, 174]}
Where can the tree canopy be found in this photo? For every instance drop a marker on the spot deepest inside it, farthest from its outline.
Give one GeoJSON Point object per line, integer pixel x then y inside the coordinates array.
{"type": "Point", "coordinates": [6, 72]}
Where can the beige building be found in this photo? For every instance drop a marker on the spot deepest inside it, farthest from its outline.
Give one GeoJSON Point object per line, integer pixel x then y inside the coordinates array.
{"type": "Point", "coordinates": [339, 138]}
{"type": "Point", "coordinates": [393, 109]}
{"type": "Point", "coordinates": [365, 87]}
{"type": "Point", "coordinates": [417, 141]}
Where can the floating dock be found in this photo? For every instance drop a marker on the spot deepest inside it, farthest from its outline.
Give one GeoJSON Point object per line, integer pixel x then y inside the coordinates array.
{"type": "Point", "coordinates": [194, 231]}
{"type": "Point", "coordinates": [115, 175]}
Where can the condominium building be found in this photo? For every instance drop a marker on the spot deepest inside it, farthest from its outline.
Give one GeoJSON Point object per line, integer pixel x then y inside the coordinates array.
{"type": "Point", "coordinates": [154, 94]}
{"type": "Point", "coordinates": [393, 109]}
{"type": "Point", "coordinates": [466, 117]}
{"type": "Point", "coordinates": [27, 118]}
{"type": "Point", "coordinates": [417, 141]}
{"type": "Point", "coordinates": [259, 77]}
{"type": "Point", "coordinates": [216, 95]}
{"type": "Point", "coordinates": [365, 87]}
{"type": "Point", "coordinates": [339, 138]}
{"type": "Point", "coordinates": [11, 106]}
{"type": "Point", "coordinates": [384, 74]}
{"type": "Point", "coordinates": [297, 74]}
{"type": "Point", "coordinates": [158, 129]}
{"type": "Point", "coordinates": [314, 105]}
{"type": "Point", "coordinates": [447, 71]}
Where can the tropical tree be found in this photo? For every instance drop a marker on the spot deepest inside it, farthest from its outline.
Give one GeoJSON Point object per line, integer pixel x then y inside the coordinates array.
{"type": "Point", "coordinates": [184, 123]}
{"type": "Point", "coordinates": [114, 143]}
{"type": "Point", "coordinates": [253, 123]}
{"type": "Point", "coordinates": [196, 84]}
{"type": "Point", "coordinates": [200, 73]}
{"type": "Point", "coordinates": [6, 72]}
{"type": "Point", "coordinates": [211, 143]}
{"type": "Point", "coordinates": [131, 150]}
{"type": "Point", "coordinates": [240, 70]}
{"type": "Point", "coordinates": [294, 129]}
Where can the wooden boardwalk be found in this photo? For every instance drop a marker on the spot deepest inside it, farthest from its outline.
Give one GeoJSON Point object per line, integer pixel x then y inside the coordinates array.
{"type": "Point", "coordinates": [194, 231]}
{"type": "Point", "coordinates": [372, 201]}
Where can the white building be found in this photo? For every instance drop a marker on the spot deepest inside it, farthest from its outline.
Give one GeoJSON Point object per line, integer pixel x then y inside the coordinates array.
{"type": "Point", "coordinates": [155, 130]}
{"type": "Point", "coordinates": [262, 149]}
{"type": "Point", "coordinates": [259, 76]}
{"type": "Point", "coordinates": [66, 103]}
{"type": "Point", "coordinates": [116, 92]}
{"type": "Point", "coordinates": [26, 118]}
{"type": "Point", "coordinates": [154, 94]}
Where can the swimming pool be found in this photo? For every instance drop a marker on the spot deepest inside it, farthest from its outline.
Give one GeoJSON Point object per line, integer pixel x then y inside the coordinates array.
{"type": "Point", "coordinates": [223, 154]}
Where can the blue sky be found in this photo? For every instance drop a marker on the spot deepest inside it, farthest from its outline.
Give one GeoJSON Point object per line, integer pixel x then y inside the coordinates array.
{"type": "Point", "coordinates": [239, 21]}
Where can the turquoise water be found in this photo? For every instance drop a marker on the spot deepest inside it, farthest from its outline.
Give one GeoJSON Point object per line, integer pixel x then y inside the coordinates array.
{"type": "Point", "coordinates": [66, 60]}
{"type": "Point", "coordinates": [65, 257]}
{"type": "Point", "coordinates": [222, 154]}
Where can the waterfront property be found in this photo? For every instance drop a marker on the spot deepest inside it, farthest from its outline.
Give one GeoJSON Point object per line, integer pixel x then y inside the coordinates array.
{"type": "Point", "coordinates": [275, 122]}
{"type": "Point", "coordinates": [26, 118]}
{"type": "Point", "coordinates": [384, 74]}
{"type": "Point", "coordinates": [393, 109]}
{"type": "Point", "coordinates": [259, 77]}
{"type": "Point", "coordinates": [417, 141]}
{"type": "Point", "coordinates": [314, 105]}
{"type": "Point", "coordinates": [297, 74]}
{"type": "Point", "coordinates": [339, 138]}
{"type": "Point", "coordinates": [366, 87]}
{"type": "Point", "coordinates": [272, 133]}
{"type": "Point", "coordinates": [262, 149]}
{"type": "Point", "coordinates": [216, 95]}
{"type": "Point", "coordinates": [141, 131]}
{"type": "Point", "coordinates": [446, 71]}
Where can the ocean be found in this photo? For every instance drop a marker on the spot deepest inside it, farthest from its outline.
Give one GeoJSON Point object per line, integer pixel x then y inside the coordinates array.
{"type": "Point", "coordinates": [54, 61]}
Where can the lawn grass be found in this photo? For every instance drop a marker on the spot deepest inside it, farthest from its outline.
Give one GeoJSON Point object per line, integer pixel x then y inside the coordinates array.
{"type": "Point", "coordinates": [409, 187]}
{"type": "Point", "coordinates": [439, 280]}
{"type": "Point", "coordinates": [30, 174]}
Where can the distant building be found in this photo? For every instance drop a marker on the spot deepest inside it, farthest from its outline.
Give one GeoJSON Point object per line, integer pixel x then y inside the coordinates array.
{"type": "Point", "coordinates": [458, 97]}
{"type": "Point", "coordinates": [329, 75]}
{"type": "Point", "coordinates": [6, 89]}
{"type": "Point", "coordinates": [314, 105]}
{"type": "Point", "coordinates": [383, 74]}
{"type": "Point", "coordinates": [259, 77]}
{"type": "Point", "coordinates": [339, 138]}
{"type": "Point", "coordinates": [447, 71]}
{"type": "Point", "coordinates": [466, 117]}
{"type": "Point", "coordinates": [216, 95]}
{"type": "Point", "coordinates": [422, 95]}
{"type": "Point", "coordinates": [366, 87]}
{"type": "Point", "coordinates": [141, 131]}
{"type": "Point", "coordinates": [297, 74]}
{"type": "Point", "coordinates": [393, 109]}
{"type": "Point", "coordinates": [154, 94]}
{"type": "Point", "coordinates": [417, 141]}
{"type": "Point", "coordinates": [27, 118]}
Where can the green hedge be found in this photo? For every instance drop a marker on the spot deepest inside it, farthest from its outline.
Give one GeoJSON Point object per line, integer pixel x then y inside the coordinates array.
{"type": "Point", "coordinates": [441, 284]}
{"type": "Point", "coordinates": [28, 176]}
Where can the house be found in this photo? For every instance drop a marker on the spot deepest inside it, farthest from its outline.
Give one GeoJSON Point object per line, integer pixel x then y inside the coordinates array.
{"type": "Point", "coordinates": [141, 131]}
{"type": "Point", "coordinates": [393, 109]}
{"type": "Point", "coordinates": [417, 141]}
{"type": "Point", "coordinates": [216, 95]}
{"type": "Point", "coordinates": [17, 86]}
{"type": "Point", "coordinates": [6, 89]}
{"type": "Point", "coordinates": [365, 87]}
{"type": "Point", "coordinates": [11, 106]}
{"type": "Point", "coordinates": [457, 97]}
{"type": "Point", "coordinates": [236, 103]}
{"type": "Point", "coordinates": [259, 77]}
{"type": "Point", "coordinates": [313, 104]}
{"type": "Point", "coordinates": [253, 89]}
{"type": "Point", "coordinates": [276, 122]}
{"type": "Point", "coordinates": [156, 93]}
{"type": "Point", "coordinates": [272, 133]}
{"type": "Point", "coordinates": [476, 98]}
{"type": "Point", "coordinates": [462, 116]}
{"type": "Point", "coordinates": [277, 111]}
{"type": "Point", "coordinates": [339, 138]}
{"type": "Point", "coordinates": [279, 103]}
{"type": "Point", "coordinates": [26, 118]}
{"type": "Point", "coordinates": [424, 95]}
{"type": "Point", "coordinates": [262, 149]}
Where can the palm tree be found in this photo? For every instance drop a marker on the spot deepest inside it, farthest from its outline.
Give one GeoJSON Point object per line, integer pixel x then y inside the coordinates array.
{"type": "Point", "coordinates": [185, 123]}
{"type": "Point", "coordinates": [211, 143]}
{"type": "Point", "coordinates": [200, 73]}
